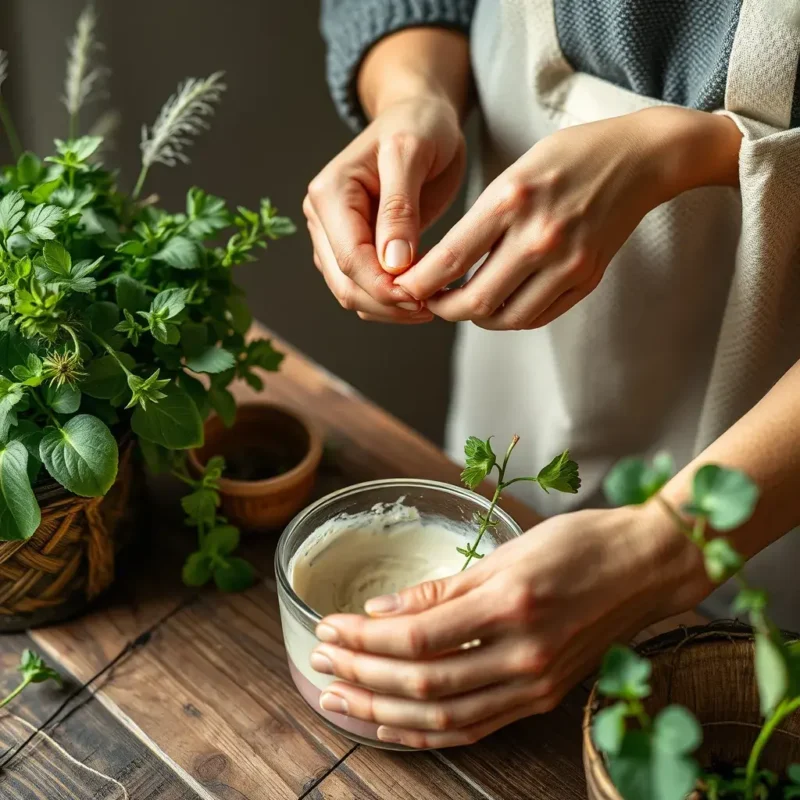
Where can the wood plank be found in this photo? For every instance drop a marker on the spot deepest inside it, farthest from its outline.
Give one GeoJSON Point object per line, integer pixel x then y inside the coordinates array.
{"type": "Point", "coordinates": [210, 691]}
{"type": "Point", "coordinates": [88, 734]}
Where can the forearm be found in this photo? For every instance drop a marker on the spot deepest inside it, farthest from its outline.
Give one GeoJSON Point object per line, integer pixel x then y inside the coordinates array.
{"type": "Point", "coordinates": [413, 63]}
{"type": "Point", "coordinates": [765, 444]}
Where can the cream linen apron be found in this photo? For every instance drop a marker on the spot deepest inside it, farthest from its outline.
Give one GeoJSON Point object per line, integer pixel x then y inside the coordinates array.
{"type": "Point", "coordinates": [697, 316]}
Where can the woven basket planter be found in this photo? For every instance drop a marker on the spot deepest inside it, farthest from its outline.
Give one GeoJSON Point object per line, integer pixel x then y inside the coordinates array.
{"type": "Point", "coordinates": [710, 671]}
{"type": "Point", "coordinates": [70, 558]}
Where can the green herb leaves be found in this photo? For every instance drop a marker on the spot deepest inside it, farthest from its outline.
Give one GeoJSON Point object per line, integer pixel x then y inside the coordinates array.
{"type": "Point", "coordinates": [633, 482]}
{"type": "Point", "coordinates": [217, 540]}
{"type": "Point", "coordinates": [561, 475]}
{"type": "Point", "coordinates": [82, 456]}
{"type": "Point", "coordinates": [19, 511]}
{"type": "Point", "coordinates": [624, 675]}
{"type": "Point", "coordinates": [173, 422]}
{"type": "Point", "coordinates": [34, 670]}
{"type": "Point", "coordinates": [725, 497]}
{"type": "Point", "coordinates": [480, 461]}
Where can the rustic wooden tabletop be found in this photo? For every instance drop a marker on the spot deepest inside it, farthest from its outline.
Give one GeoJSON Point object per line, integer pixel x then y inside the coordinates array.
{"type": "Point", "coordinates": [174, 693]}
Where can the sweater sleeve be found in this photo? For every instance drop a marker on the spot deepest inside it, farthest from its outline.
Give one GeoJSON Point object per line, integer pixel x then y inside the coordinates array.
{"type": "Point", "coordinates": [351, 27]}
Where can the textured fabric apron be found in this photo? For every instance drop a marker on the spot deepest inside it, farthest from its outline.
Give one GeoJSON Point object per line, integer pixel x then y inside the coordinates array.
{"type": "Point", "coordinates": [697, 316]}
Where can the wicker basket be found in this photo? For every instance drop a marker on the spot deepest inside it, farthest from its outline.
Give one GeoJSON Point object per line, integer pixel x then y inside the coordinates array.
{"type": "Point", "coordinates": [710, 670]}
{"type": "Point", "coordinates": [69, 560]}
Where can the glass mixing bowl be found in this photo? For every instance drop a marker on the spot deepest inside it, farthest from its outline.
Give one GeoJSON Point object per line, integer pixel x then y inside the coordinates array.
{"type": "Point", "coordinates": [450, 507]}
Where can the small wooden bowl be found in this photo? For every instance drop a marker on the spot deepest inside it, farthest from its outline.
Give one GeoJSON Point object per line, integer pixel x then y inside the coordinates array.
{"type": "Point", "coordinates": [710, 670]}
{"type": "Point", "coordinates": [264, 438]}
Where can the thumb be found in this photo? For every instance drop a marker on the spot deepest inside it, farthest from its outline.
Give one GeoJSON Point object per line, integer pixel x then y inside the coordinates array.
{"type": "Point", "coordinates": [402, 170]}
{"type": "Point", "coordinates": [424, 595]}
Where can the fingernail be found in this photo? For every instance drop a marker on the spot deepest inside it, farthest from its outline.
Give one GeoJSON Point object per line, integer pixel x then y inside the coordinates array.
{"type": "Point", "coordinates": [388, 735]}
{"type": "Point", "coordinates": [332, 702]}
{"type": "Point", "coordinates": [327, 633]}
{"type": "Point", "coordinates": [321, 663]}
{"type": "Point", "coordinates": [397, 254]}
{"type": "Point", "coordinates": [382, 605]}
{"type": "Point", "coordinates": [409, 306]}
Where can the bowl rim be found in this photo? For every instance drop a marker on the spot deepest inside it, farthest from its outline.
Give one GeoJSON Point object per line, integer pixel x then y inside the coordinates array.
{"type": "Point", "coordinates": [283, 579]}
{"type": "Point", "coordinates": [308, 463]}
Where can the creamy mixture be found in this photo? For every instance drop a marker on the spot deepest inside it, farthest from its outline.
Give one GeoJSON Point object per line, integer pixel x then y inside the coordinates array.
{"type": "Point", "coordinates": [355, 557]}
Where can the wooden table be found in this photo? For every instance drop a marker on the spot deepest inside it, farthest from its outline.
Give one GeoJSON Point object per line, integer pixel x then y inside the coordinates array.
{"type": "Point", "coordinates": [175, 693]}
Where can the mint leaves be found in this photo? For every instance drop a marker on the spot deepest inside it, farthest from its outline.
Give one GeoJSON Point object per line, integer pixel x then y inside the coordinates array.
{"type": "Point", "coordinates": [216, 539]}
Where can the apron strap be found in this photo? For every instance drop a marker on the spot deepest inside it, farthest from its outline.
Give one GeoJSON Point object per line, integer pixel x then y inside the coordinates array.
{"type": "Point", "coordinates": [763, 65]}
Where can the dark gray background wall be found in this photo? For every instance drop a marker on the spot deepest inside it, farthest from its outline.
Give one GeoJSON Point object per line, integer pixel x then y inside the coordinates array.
{"type": "Point", "coordinates": [275, 130]}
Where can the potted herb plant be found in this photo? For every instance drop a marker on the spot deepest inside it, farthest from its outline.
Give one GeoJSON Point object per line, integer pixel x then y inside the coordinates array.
{"type": "Point", "coordinates": [121, 329]}
{"type": "Point", "coordinates": [740, 685]}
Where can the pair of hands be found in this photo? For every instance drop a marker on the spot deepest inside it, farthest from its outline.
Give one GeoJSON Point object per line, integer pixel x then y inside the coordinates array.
{"type": "Point", "coordinates": [550, 223]}
{"type": "Point", "coordinates": [544, 606]}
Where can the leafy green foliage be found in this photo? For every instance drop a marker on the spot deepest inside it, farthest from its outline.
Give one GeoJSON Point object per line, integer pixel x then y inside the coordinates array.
{"type": "Point", "coordinates": [721, 560]}
{"type": "Point", "coordinates": [560, 474]}
{"type": "Point", "coordinates": [624, 675]}
{"type": "Point", "coordinates": [480, 461]}
{"type": "Point", "coordinates": [173, 421]}
{"type": "Point", "coordinates": [793, 774]}
{"type": "Point", "coordinates": [657, 764]}
{"type": "Point", "coordinates": [33, 669]}
{"type": "Point", "coordinates": [725, 497]}
{"type": "Point", "coordinates": [217, 540]}
{"type": "Point", "coordinates": [633, 481]}
{"type": "Point", "coordinates": [19, 511]}
{"type": "Point", "coordinates": [608, 728]}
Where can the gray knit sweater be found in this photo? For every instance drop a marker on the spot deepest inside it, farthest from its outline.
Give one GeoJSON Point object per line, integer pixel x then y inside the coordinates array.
{"type": "Point", "coordinates": [673, 50]}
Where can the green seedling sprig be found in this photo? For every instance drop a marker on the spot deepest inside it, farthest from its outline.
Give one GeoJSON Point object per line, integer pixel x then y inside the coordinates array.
{"type": "Point", "coordinates": [560, 475]}
{"type": "Point", "coordinates": [34, 670]}
{"type": "Point", "coordinates": [652, 758]}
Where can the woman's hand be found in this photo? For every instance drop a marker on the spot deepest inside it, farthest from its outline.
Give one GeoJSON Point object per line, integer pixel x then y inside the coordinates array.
{"type": "Point", "coordinates": [366, 209]}
{"type": "Point", "coordinates": [544, 607]}
{"type": "Point", "coordinates": [552, 222]}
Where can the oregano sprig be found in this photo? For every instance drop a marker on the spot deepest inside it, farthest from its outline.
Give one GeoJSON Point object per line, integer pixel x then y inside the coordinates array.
{"type": "Point", "coordinates": [560, 475]}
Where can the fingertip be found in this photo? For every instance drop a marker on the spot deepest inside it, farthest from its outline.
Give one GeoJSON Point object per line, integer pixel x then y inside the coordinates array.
{"type": "Point", "coordinates": [384, 605]}
{"type": "Point", "coordinates": [397, 256]}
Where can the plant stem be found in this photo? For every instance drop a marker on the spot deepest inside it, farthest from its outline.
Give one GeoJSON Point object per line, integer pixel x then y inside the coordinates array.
{"type": "Point", "coordinates": [11, 131]}
{"type": "Point", "coordinates": [637, 709]}
{"type": "Point", "coordinates": [139, 183]}
{"type": "Point", "coordinates": [14, 692]}
{"type": "Point", "coordinates": [783, 710]}
{"type": "Point", "coordinates": [113, 353]}
{"type": "Point", "coordinates": [44, 408]}
{"type": "Point", "coordinates": [495, 500]}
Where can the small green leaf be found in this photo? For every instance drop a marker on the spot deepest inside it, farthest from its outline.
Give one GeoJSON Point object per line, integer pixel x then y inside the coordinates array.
{"type": "Point", "coordinates": [727, 497]}
{"type": "Point", "coordinates": [561, 474]}
{"type": "Point", "coordinates": [223, 402]}
{"type": "Point", "coordinates": [105, 378]}
{"type": "Point", "coordinates": [480, 460]}
{"type": "Point", "coordinates": [11, 212]}
{"type": "Point", "coordinates": [624, 674]}
{"type": "Point", "coordinates": [633, 482]}
{"type": "Point", "coordinates": [608, 728]}
{"type": "Point", "coordinates": [82, 456]}
{"type": "Point", "coordinates": [34, 668]}
{"type": "Point", "coordinates": [19, 510]}
{"type": "Point", "coordinates": [197, 569]}
{"type": "Point", "coordinates": [39, 222]}
{"type": "Point", "coordinates": [64, 399]}
{"type": "Point", "coordinates": [721, 559]}
{"type": "Point", "coordinates": [212, 360]}
{"type": "Point", "coordinates": [201, 506]}
{"type": "Point", "coordinates": [173, 422]}
{"type": "Point", "coordinates": [772, 671]}
{"type": "Point", "coordinates": [169, 303]}
{"type": "Point", "coordinates": [179, 252]}
{"type": "Point", "coordinates": [676, 731]}
{"type": "Point", "coordinates": [132, 247]}
{"type": "Point", "coordinates": [131, 294]}
{"type": "Point", "coordinates": [750, 600]}
{"type": "Point", "coordinates": [57, 259]}
{"type": "Point", "coordinates": [221, 540]}
{"type": "Point", "coordinates": [29, 169]}
{"type": "Point", "coordinates": [234, 575]}
{"type": "Point", "coordinates": [239, 313]}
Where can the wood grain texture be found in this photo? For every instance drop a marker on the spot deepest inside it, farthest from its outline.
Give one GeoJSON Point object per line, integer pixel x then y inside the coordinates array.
{"type": "Point", "coordinates": [87, 732]}
{"type": "Point", "coordinates": [203, 679]}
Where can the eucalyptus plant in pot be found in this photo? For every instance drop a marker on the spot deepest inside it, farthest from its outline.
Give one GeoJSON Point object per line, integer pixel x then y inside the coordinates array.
{"type": "Point", "coordinates": [121, 329]}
